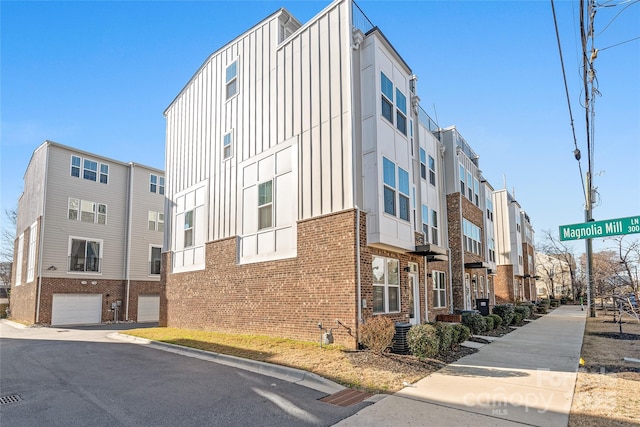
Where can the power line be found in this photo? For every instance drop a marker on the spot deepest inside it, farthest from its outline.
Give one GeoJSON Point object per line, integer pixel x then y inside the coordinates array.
{"type": "Point", "coordinates": [576, 152]}
{"type": "Point", "coordinates": [618, 44]}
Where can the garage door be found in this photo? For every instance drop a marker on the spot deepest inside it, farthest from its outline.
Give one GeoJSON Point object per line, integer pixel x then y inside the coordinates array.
{"type": "Point", "coordinates": [148, 308]}
{"type": "Point", "coordinates": [76, 309]}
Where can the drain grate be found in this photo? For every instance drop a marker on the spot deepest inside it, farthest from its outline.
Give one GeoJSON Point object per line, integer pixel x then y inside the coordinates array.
{"type": "Point", "coordinates": [346, 397]}
{"type": "Point", "coordinates": [13, 398]}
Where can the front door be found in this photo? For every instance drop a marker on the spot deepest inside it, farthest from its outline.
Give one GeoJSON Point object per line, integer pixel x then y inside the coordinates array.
{"type": "Point", "coordinates": [414, 299]}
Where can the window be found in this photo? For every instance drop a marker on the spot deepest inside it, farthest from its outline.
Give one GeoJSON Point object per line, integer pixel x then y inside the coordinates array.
{"type": "Point", "coordinates": [74, 208]}
{"type": "Point", "coordinates": [265, 205]}
{"type": "Point", "coordinates": [104, 173]}
{"type": "Point", "coordinates": [387, 97]}
{"type": "Point", "coordinates": [469, 186]}
{"type": "Point", "coordinates": [232, 79]}
{"type": "Point", "coordinates": [87, 211]}
{"type": "Point", "coordinates": [75, 166]}
{"type": "Point", "coordinates": [472, 237]}
{"type": "Point", "coordinates": [31, 258]}
{"type": "Point", "coordinates": [432, 171]}
{"type": "Point", "coordinates": [18, 265]}
{"type": "Point", "coordinates": [227, 146]}
{"type": "Point", "coordinates": [188, 229]}
{"type": "Point", "coordinates": [389, 177]}
{"type": "Point", "coordinates": [439, 289]}
{"type": "Point", "coordinates": [386, 285]}
{"type": "Point", "coordinates": [401, 112]}
{"type": "Point", "coordinates": [102, 214]}
{"type": "Point", "coordinates": [492, 249]}
{"type": "Point", "coordinates": [462, 174]}
{"type": "Point", "coordinates": [155, 260]}
{"type": "Point", "coordinates": [156, 184]}
{"type": "Point", "coordinates": [425, 222]}
{"type": "Point", "coordinates": [489, 209]}
{"type": "Point", "coordinates": [85, 255]}
{"type": "Point", "coordinates": [90, 170]}
{"type": "Point", "coordinates": [156, 221]}
{"type": "Point", "coordinates": [423, 163]}
{"type": "Point", "coordinates": [476, 192]}
{"type": "Point", "coordinates": [434, 227]}
{"type": "Point", "coordinates": [403, 202]}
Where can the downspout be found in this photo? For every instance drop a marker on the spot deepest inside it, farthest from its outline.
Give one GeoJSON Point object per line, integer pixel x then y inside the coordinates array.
{"type": "Point", "coordinates": [41, 237]}
{"type": "Point", "coordinates": [464, 284]}
{"type": "Point", "coordinates": [127, 255]}
{"type": "Point", "coordinates": [358, 276]}
{"type": "Point", "coordinates": [426, 289]}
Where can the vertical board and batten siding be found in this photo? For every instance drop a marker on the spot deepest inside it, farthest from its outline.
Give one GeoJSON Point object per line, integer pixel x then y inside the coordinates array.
{"type": "Point", "coordinates": [141, 237]}
{"type": "Point", "coordinates": [297, 88]}
{"type": "Point", "coordinates": [314, 80]}
{"type": "Point", "coordinates": [501, 215]}
{"type": "Point", "coordinates": [58, 228]}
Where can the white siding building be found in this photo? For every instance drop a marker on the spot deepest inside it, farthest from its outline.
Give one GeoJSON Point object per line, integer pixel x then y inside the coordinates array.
{"type": "Point", "coordinates": [294, 184]}
{"type": "Point", "coordinates": [90, 233]}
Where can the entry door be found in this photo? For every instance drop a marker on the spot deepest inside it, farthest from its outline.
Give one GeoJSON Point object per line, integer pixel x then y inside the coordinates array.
{"type": "Point", "coordinates": [414, 299]}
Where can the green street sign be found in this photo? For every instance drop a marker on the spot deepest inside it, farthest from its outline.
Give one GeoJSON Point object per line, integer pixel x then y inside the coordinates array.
{"type": "Point", "coordinates": [596, 229]}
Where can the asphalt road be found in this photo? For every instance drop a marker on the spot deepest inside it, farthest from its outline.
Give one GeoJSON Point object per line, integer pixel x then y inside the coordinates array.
{"type": "Point", "coordinates": [80, 377]}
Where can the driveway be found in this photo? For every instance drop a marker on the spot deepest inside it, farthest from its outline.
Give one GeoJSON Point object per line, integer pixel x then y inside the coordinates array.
{"type": "Point", "coordinates": [80, 376]}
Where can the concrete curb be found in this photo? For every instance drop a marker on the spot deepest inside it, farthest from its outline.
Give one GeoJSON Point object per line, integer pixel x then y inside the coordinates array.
{"type": "Point", "coordinates": [292, 375]}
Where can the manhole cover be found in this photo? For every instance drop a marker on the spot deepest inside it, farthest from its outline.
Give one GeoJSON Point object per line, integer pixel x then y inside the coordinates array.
{"type": "Point", "coordinates": [13, 398]}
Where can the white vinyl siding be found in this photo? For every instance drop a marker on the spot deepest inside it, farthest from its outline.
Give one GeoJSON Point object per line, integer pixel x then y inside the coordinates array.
{"type": "Point", "coordinates": [31, 259]}
{"type": "Point", "coordinates": [18, 263]}
{"type": "Point", "coordinates": [272, 108]}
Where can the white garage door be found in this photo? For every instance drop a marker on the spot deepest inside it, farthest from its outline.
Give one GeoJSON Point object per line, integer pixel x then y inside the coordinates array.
{"type": "Point", "coordinates": [76, 309]}
{"type": "Point", "coordinates": [148, 308]}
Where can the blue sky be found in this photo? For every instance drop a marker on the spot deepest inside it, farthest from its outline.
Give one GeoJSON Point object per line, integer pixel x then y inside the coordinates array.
{"type": "Point", "coordinates": [97, 75]}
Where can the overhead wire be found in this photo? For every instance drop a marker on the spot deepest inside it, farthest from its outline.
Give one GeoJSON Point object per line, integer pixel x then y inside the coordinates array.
{"type": "Point", "coordinates": [618, 14]}
{"type": "Point", "coordinates": [566, 90]}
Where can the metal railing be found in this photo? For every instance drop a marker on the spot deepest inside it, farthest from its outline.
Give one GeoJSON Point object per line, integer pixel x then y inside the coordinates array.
{"type": "Point", "coordinates": [90, 264]}
{"type": "Point", "coordinates": [360, 20]}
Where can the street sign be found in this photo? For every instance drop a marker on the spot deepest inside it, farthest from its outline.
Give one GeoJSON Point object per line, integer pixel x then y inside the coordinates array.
{"type": "Point", "coordinates": [596, 229]}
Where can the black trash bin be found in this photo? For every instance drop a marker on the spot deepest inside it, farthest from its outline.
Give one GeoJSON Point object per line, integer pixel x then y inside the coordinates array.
{"type": "Point", "coordinates": [482, 305]}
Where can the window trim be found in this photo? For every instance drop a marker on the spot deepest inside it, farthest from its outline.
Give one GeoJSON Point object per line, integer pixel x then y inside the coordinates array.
{"type": "Point", "coordinates": [434, 227]}
{"type": "Point", "coordinates": [401, 113]}
{"type": "Point", "coordinates": [386, 286]}
{"type": "Point", "coordinates": [228, 145]}
{"type": "Point", "coordinates": [78, 167]}
{"type": "Point", "coordinates": [103, 174]}
{"type": "Point", "coordinates": [423, 163]}
{"type": "Point", "coordinates": [385, 97]}
{"type": "Point", "coordinates": [438, 279]}
{"type": "Point", "coordinates": [85, 169]}
{"type": "Point", "coordinates": [190, 228]}
{"type": "Point", "coordinates": [100, 254]}
{"type": "Point", "coordinates": [151, 269]}
{"type": "Point", "coordinates": [432, 171]}
{"type": "Point", "coordinates": [229, 80]}
{"type": "Point", "coordinates": [268, 204]}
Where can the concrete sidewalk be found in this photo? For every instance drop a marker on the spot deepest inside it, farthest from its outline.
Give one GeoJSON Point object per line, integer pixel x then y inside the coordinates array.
{"type": "Point", "coordinates": [526, 377]}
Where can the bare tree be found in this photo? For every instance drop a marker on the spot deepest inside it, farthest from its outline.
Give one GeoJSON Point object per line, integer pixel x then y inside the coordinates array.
{"type": "Point", "coordinates": [7, 239]}
{"type": "Point", "coordinates": [553, 247]}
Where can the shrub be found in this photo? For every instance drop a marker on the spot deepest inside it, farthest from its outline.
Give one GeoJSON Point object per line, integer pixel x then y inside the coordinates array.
{"type": "Point", "coordinates": [463, 332]}
{"type": "Point", "coordinates": [475, 322]}
{"type": "Point", "coordinates": [554, 302]}
{"type": "Point", "coordinates": [517, 318]}
{"type": "Point", "coordinates": [377, 333]}
{"type": "Point", "coordinates": [489, 321]}
{"type": "Point", "coordinates": [455, 334]}
{"type": "Point", "coordinates": [423, 341]}
{"type": "Point", "coordinates": [505, 311]}
{"type": "Point", "coordinates": [497, 320]}
{"type": "Point", "coordinates": [542, 309]}
{"type": "Point", "coordinates": [523, 310]}
{"type": "Point", "coordinates": [445, 335]}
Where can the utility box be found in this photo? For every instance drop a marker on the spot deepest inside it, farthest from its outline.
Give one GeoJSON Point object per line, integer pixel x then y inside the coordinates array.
{"type": "Point", "coordinates": [400, 345]}
{"type": "Point", "coordinates": [482, 305]}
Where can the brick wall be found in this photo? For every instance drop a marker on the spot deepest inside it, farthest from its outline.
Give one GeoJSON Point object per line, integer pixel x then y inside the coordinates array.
{"type": "Point", "coordinates": [23, 297]}
{"type": "Point", "coordinates": [285, 298]}
{"type": "Point", "coordinates": [503, 284]}
{"type": "Point", "coordinates": [289, 297]}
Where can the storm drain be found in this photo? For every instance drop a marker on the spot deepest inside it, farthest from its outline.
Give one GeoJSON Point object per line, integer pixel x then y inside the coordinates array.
{"type": "Point", "coordinates": [13, 398]}
{"type": "Point", "coordinates": [346, 397]}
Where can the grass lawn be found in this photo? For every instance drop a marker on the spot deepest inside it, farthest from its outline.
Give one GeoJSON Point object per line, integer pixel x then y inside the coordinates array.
{"type": "Point", "coordinates": [362, 370]}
